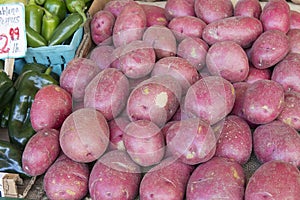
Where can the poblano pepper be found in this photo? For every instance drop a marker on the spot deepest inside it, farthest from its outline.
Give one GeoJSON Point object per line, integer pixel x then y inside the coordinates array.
{"type": "Point", "coordinates": [19, 125]}
{"type": "Point", "coordinates": [7, 90]}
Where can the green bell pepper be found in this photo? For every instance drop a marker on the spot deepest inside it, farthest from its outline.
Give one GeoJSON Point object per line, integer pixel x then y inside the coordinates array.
{"type": "Point", "coordinates": [56, 7]}
{"type": "Point", "coordinates": [19, 125]}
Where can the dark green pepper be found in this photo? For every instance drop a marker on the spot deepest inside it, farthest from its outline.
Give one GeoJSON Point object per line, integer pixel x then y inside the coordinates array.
{"type": "Point", "coordinates": [34, 39]}
{"type": "Point", "coordinates": [78, 6]}
{"type": "Point", "coordinates": [37, 67]}
{"type": "Point", "coordinates": [6, 90]}
{"type": "Point", "coordinates": [66, 29]}
{"type": "Point", "coordinates": [33, 16]}
{"type": "Point", "coordinates": [19, 125]}
{"type": "Point", "coordinates": [49, 24]}
{"type": "Point", "coordinates": [56, 7]}
{"type": "Point", "coordinates": [4, 116]}
{"type": "Point", "coordinates": [40, 2]}
{"type": "Point", "coordinates": [11, 159]}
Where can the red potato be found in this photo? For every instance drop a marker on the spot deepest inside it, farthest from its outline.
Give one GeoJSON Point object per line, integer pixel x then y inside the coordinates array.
{"type": "Point", "coordinates": [165, 181]}
{"type": "Point", "coordinates": [250, 8]}
{"type": "Point", "coordinates": [240, 89]}
{"type": "Point", "coordinates": [66, 179]}
{"type": "Point", "coordinates": [294, 19]}
{"type": "Point", "coordinates": [277, 141]}
{"type": "Point", "coordinates": [210, 98]}
{"type": "Point", "coordinates": [40, 152]}
{"type": "Point", "coordinates": [102, 56]}
{"type": "Point", "coordinates": [192, 141]}
{"type": "Point", "coordinates": [162, 40]}
{"type": "Point", "coordinates": [186, 26]}
{"type": "Point", "coordinates": [135, 82]}
{"type": "Point", "coordinates": [107, 93]}
{"type": "Point", "coordinates": [290, 113]}
{"type": "Point", "coordinates": [233, 65]}
{"type": "Point", "coordinates": [155, 15]}
{"type": "Point", "coordinates": [135, 59]}
{"type": "Point", "coordinates": [117, 129]}
{"type": "Point", "coordinates": [215, 179]}
{"type": "Point", "coordinates": [76, 76]}
{"type": "Point", "coordinates": [269, 48]}
{"type": "Point", "coordinates": [213, 10]}
{"type": "Point", "coordinates": [114, 176]}
{"type": "Point", "coordinates": [234, 139]}
{"type": "Point", "coordinates": [263, 101]}
{"type": "Point", "coordinates": [51, 106]}
{"type": "Point", "coordinates": [129, 25]}
{"type": "Point", "coordinates": [294, 40]}
{"type": "Point", "coordinates": [176, 8]}
{"type": "Point", "coordinates": [240, 29]}
{"type": "Point", "coordinates": [275, 15]}
{"type": "Point", "coordinates": [287, 72]}
{"type": "Point", "coordinates": [258, 74]}
{"type": "Point", "coordinates": [179, 68]}
{"type": "Point", "coordinates": [116, 6]}
{"type": "Point", "coordinates": [155, 99]}
{"type": "Point", "coordinates": [84, 135]}
{"type": "Point", "coordinates": [101, 26]}
{"type": "Point", "coordinates": [144, 142]}
{"type": "Point", "coordinates": [274, 180]}
{"type": "Point", "coordinates": [194, 50]}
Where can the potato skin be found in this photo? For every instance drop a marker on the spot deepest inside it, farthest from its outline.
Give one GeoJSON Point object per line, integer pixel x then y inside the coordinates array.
{"type": "Point", "coordinates": [234, 139]}
{"type": "Point", "coordinates": [66, 179]}
{"type": "Point", "coordinates": [107, 92]}
{"type": "Point", "coordinates": [144, 142]}
{"type": "Point", "coordinates": [192, 141]}
{"type": "Point", "coordinates": [210, 98]}
{"type": "Point", "coordinates": [117, 130]}
{"type": "Point", "coordinates": [261, 56]}
{"type": "Point", "coordinates": [263, 101]}
{"type": "Point", "coordinates": [217, 177]}
{"type": "Point", "coordinates": [51, 106]}
{"type": "Point", "coordinates": [240, 89]}
{"type": "Point", "coordinates": [101, 25]}
{"type": "Point", "coordinates": [213, 10]}
{"type": "Point", "coordinates": [233, 65]}
{"type": "Point", "coordinates": [40, 151]}
{"type": "Point", "coordinates": [114, 176]}
{"type": "Point", "coordinates": [290, 113]}
{"type": "Point", "coordinates": [294, 19]}
{"type": "Point", "coordinates": [250, 8]}
{"type": "Point", "coordinates": [162, 40]}
{"type": "Point", "coordinates": [165, 181]}
{"type": "Point", "coordinates": [116, 6]}
{"type": "Point", "coordinates": [155, 15]}
{"type": "Point", "coordinates": [240, 29]}
{"type": "Point", "coordinates": [274, 179]}
{"type": "Point", "coordinates": [193, 50]}
{"type": "Point", "coordinates": [287, 72]}
{"type": "Point", "coordinates": [179, 68]}
{"type": "Point", "coordinates": [294, 40]}
{"type": "Point", "coordinates": [257, 74]}
{"type": "Point", "coordinates": [277, 141]}
{"type": "Point", "coordinates": [186, 26]}
{"type": "Point", "coordinates": [176, 8]}
{"type": "Point", "coordinates": [275, 15]}
{"type": "Point", "coordinates": [102, 56]}
{"type": "Point", "coordinates": [78, 73]}
{"type": "Point", "coordinates": [129, 25]}
{"type": "Point", "coordinates": [84, 135]}
{"type": "Point", "coordinates": [155, 99]}
{"type": "Point", "coordinates": [135, 59]}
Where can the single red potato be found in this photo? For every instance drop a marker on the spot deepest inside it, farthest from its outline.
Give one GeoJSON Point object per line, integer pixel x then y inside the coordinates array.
{"type": "Point", "coordinates": [192, 141]}
{"type": "Point", "coordinates": [218, 177]}
{"type": "Point", "coordinates": [234, 139]}
{"type": "Point", "coordinates": [213, 10]}
{"type": "Point", "coordinates": [66, 179]}
{"type": "Point", "coordinates": [116, 6]}
{"type": "Point", "coordinates": [117, 129]}
{"type": "Point", "coordinates": [155, 15]}
{"type": "Point", "coordinates": [40, 152]}
{"type": "Point", "coordinates": [250, 8]}
{"type": "Point", "coordinates": [240, 89]}
{"type": "Point", "coordinates": [176, 8]}
{"type": "Point", "coordinates": [51, 106]}
{"type": "Point", "coordinates": [277, 141]}
{"type": "Point", "coordinates": [114, 176]}
{"type": "Point", "coordinates": [102, 56]}
{"type": "Point", "coordinates": [263, 101]}
{"type": "Point", "coordinates": [274, 180]}
{"type": "Point", "coordinates": [144, 142]}
{"type": "Point", "coordinates": [84, 135]}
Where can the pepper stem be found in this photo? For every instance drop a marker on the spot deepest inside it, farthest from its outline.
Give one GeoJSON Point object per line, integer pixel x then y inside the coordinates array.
{"type": "Point", "coordinates": [48, 71]}
{"type": "Point", "coordinates": [79, 9]}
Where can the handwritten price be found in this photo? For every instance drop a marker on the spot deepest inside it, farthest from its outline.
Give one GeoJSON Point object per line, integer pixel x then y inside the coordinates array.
{"type": "Point", "coordinates": [14, 34]}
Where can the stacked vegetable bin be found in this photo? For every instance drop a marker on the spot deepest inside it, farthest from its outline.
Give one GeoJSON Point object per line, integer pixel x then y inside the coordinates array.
{"type": "Point", "coordinates": [164, 100]}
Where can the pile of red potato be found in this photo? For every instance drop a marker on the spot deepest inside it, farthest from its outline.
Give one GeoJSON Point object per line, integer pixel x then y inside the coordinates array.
{"type": "Point", "coordinates": [171, 103]}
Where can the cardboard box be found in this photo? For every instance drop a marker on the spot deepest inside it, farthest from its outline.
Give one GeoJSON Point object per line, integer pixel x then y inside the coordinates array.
{"type": "Point", "coordinates": [8, 184]}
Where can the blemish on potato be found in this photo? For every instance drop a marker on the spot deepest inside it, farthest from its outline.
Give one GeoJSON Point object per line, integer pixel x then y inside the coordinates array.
{"type": "Point", "coordinates": [57, 89]}
{"type": "Point", "coordinates": [161, 99]}
{"type": "Point", "coordinates": [145, 90]}
{"type": "Point", "coordinates": [190, 155]}
{"type": "Point", "coordinates": [235, 174]}
{"type": "Point", "coordinates": [288, 121]}
{"type": "Point", "coordinates": [70, 192]}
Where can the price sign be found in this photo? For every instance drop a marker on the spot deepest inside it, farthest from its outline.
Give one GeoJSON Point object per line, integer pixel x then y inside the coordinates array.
{"type": "Point", "coordinates": [12, 30]}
